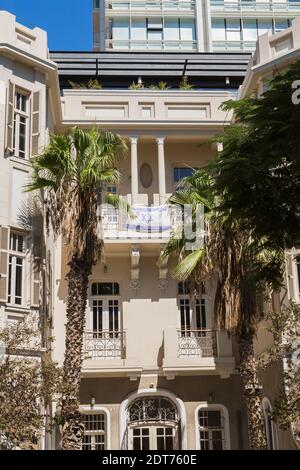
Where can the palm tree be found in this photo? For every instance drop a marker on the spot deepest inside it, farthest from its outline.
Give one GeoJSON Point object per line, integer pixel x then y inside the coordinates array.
{"type": "Point", "coordinates": [73, 171]}
{"type": "Point", "coordinates": [241, 268]}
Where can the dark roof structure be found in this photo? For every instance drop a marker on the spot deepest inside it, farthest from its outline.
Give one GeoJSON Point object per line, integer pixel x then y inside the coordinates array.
{"type": "Point", "coordinates": [120, 69]}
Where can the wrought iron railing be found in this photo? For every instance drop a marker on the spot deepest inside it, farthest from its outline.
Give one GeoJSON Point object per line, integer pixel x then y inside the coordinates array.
{"type": "Point", "coordinates": [197, 343]}
{"type": "Point", "coordinates": [104, 344]}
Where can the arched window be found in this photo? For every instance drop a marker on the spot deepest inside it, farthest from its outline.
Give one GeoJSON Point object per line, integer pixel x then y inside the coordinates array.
{"type": "Point", "coordinates": [152, 424]}
{"type": "Point", "coordinates": [152, 409]}
{"type": "Point", "coordinates": [271, 431]}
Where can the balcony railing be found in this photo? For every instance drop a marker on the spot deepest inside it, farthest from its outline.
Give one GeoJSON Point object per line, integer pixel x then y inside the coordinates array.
{"type": "Point", "coordinates": [248, 6]}
{"type": "Point", "coordinates": [151, 45]}
{"type": "Point", "coordinates": [150, 5]}
{"type": "Point", "coordinates": [233, 45]}
{"type": "Point", "coordinates": [146, 222]}
{"type": "Point", "coordinates": [104, 344]}
{"type": "Point", "coordinates": [197, 343]}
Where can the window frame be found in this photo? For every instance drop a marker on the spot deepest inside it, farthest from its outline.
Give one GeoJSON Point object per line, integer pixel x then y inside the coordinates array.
{"type": "Point", "coordinates": [201, 301]}
{"type": "Point", "coordinates": [205, 406]}
{"type": "Point", "coordinates": [13, 256]}
{"type": "Point", "coordinates": [266, 403]}
{"type": "Point", "coordinates": [296, 275]}
{"type": "Point", "coordinates": [18, 114]}
{"type": "Point", "coordinates": [104, 302]}
{"type": "Point", "coordinates": [98, 409]}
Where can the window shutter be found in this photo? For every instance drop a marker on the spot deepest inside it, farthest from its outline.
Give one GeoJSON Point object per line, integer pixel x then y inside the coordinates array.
{"type": "Point", "coordinates": [9, 134]}
{"type": "Point", "coordinates": [35, 296]}
{"type": "Point", "coordinates": [35, 123]}
{"type": "Point", "coordinates": [4, 245]}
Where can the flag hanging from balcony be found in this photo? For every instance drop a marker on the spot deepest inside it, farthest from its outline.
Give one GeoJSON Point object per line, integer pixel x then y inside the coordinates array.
{"type": "Point", "coordinates": [150, 219]}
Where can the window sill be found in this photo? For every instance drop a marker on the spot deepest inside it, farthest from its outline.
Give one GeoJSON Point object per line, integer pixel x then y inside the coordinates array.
{"type": "Point", "coordinates": [16, 309]}
{"type": "Point", "coordinates": [15, 159]}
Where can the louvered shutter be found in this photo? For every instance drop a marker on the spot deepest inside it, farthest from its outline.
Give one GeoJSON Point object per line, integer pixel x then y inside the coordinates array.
{"type": "Point", "coordinates": [35, 123]}
{"type": "Point", "coordinates": [4, 246]}
{"type": "Point", "coordinates": [9, 133]}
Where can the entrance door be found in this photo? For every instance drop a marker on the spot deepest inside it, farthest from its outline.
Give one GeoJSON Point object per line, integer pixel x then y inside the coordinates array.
{"type": "Point", "coordinates": [154, 437]}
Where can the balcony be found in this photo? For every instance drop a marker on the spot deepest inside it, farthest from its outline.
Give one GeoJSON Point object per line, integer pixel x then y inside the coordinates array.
{"type": "Point", "coordinates": [204, 351]}
{"type": "Point", "coordinates": [144, 45]}
{"type": "Point", "coordinates": [221, 6]}
{"type": "Point", "coordinates": [104, 345]}
{"type": "Point", "coordinates": [221, 46]}
{"type": "Point", "coordinates": [148, 223]}
{"type": "Point", "coordinates": [114, 7]}
{"type": "Point", "coordinates": [199, 343]}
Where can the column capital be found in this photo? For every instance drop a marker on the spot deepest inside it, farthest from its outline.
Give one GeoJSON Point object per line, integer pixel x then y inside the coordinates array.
{"type": "Point", "coordinates": [160, 140]}
{"type": "Point", "coordinates": [133, 139]}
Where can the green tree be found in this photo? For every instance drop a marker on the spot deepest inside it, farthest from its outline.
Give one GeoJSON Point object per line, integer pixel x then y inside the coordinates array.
{"type": "Point", "coordinates": [240, 268]}
{"type": "Point", "coordinates": [29, 380]}
{"type": "Point", "coordinates": [258, 171]}
{"type": "Point", "coordinates": [73, 170]}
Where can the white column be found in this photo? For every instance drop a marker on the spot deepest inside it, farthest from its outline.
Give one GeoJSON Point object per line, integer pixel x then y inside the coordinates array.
{"type": "Point", "coordinates": [161, 170]}
{"type": "Point", "coordinates": [134, 171]}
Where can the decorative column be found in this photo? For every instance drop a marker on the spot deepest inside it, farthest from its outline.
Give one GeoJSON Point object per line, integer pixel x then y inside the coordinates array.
{"type": "Point", "coordinates": [134, 171]}
{"type": "Point", "coordinates": [161, 170]}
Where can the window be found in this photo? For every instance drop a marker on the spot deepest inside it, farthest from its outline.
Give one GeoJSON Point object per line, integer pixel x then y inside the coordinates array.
{"type": "Point", "coordinates": [106, 311]}
{"type": "Point", "coordinates": [105, 288]}
{"type": "Point", "coordinates": [154, 29]}
{"type": "Point", "coordinates": [94, 431]}
{"type": "Point", "coordinates": [296, 277]}
{"type": "Point", "coordinates": [218, 30]}
{"type": "Point", "coordinates": [20, 123]}
{"type": "Point", "coordinates": [211, 429]}
{"type": "Point", "coordinates": [233, 29]}
{"type": "Point", "coordinates": [96, 4]}
{"type": "Point", "coordinates": [153, 424]}
{"type": "Point", "coordinates": [249, 30]}
{"type": "Point", "coordinates": [16, 269]}
{"type": "Point", "coordinates": [271, 432]}
{"type": "Point", "coordinates": [192, 312]}
{"type": "Point", "coordinates": [182, 172]}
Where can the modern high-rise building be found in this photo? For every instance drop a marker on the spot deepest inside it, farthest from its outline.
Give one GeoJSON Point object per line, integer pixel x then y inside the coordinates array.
{"type": "Point", "coordinates": [188, 25]}
{"type": "Point", "coordinates": [156, 374]}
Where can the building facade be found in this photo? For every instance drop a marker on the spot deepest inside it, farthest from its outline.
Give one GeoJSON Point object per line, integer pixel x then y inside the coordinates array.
{"type": "Point", "coordinates": [188, 25]}
{"type": "Point", "coordinates": [156, 373]}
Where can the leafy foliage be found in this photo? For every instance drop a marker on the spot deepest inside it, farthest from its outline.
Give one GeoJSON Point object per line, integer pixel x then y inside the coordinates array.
{"type": "Point", "coordinates": [29, 380]}
{"type": "Point", "coordinates": [184, 84]}
{"type": "Point", "coordinates": [258, 171]}
{"type": "Point", "coordinates": [92, 84]}
{"type": "Point", "coordinates": [74, 169]}
{"type": "Point", "coordinates": [285, 328]}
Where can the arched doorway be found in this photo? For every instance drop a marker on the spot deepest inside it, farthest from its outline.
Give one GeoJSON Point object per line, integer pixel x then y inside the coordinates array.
{"type": "Point", "coordinates": [152, 424]}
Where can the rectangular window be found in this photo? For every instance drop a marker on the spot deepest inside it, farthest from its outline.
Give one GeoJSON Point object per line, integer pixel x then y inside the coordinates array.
{"type": "Point", "coordinates": [249, 30]}
{"type": "Point", "coordinates": [211, 430]}
{"type": "Point", "coordinates": [218, 30]}
{"type": "Point", "coordinates": [94, 432]}
{"type": "Point", "coordinates": [182, 172]}
{"type": "Point", "coordinates": [233, 29]}
{"type": "Point", "coordinates": [16, 269]}
{"type": "Point", "coordinates": [192, 311]}
{"type": "Point", "coordinates": [20, 124]}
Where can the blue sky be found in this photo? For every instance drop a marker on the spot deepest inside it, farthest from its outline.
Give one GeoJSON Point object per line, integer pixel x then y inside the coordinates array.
{"type": "Point", "coordinates": [68, 22]}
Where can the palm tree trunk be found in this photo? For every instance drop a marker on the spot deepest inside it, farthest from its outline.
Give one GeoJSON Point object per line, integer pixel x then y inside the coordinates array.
{"type": "Point", "coordinates": [73, 428]}
{"type": "Point", "coordinates": [252, 394]}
